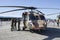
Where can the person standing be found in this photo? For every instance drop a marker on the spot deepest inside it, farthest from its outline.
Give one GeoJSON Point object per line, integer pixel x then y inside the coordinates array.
{"type": "Point", "coordinates": [25, 19]}
{"type": "Point", "coordinates": [58, 22]}
{"type": "Point", "coordinates": [13, 24]}
{"type": "Point", "coordinates": [19, 22]}
{"type": "Point", "coordinates": [12, 21]}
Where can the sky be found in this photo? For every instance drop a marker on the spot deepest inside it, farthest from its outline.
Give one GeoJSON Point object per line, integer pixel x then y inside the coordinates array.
{"type": "Point", "coordinates": [34, 3]}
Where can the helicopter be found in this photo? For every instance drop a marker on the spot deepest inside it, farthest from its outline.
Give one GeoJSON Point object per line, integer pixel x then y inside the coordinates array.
{"type": "Point", "coordinates": [38, 20]}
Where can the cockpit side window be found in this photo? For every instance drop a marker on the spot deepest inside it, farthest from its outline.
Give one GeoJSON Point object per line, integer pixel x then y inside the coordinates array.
{"type": "Point", "coordinates": [31, 16]}
{"type": "Point", "coordinates": [42, 17]}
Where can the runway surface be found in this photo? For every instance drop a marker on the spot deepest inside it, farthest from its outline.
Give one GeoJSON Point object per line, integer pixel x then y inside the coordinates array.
{"type": "Point", "coordinates": [51, 33]}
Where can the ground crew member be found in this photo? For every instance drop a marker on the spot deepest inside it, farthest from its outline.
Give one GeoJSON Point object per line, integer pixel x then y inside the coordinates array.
{"type": "Point", "coordinates": [58, 22]}
{"type": "Point", "coordinates": [25, 20]}
{"type": "Point", "coordinates": [13, 24]}
{"type": "Point", "coordinates": [19, 21]}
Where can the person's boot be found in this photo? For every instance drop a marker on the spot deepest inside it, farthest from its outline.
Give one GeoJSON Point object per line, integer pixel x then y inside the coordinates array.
{"type": "Point", "coordinates": [24, 28]}
{"type": "Point", "coordinates": [18, 30]}
{"type": "Point", "coordinates": [12, 29]}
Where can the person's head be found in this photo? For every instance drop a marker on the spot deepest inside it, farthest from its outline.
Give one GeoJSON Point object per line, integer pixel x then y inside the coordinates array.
{"type": "Point", "coordinates": [25, 13]}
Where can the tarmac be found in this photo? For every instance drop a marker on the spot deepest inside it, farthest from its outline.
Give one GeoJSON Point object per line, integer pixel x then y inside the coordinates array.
{"type": "Point", "coordinates": [51, 33]}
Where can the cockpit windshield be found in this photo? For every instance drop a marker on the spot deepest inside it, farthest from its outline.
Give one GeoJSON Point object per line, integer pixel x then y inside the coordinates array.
{"type": "Point", "coordinates": [33, 17]}
{"type": "Point", "coordinates": [36, 16]}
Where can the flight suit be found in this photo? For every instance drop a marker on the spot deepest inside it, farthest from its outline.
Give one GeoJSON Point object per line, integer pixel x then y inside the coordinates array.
{"type": "Point", "coordinates": [25, 20]}
{"type": "Point", "coordinates": [58, 22]}
{"type": "Point", "coordinates": [13, 24]}
{"type": "Point", "coordinates": [19, 21]}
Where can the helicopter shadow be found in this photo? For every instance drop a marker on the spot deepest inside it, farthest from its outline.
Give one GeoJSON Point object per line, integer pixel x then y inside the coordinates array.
{"type": "Point", "coordinates": [51, 33]}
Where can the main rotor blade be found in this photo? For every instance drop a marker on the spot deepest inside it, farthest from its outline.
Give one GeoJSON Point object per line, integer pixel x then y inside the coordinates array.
{"type": "Point", "coordinates": [50, 8]}
{"type": "Point", "coordinates": [40, 12]}
{"type": "Point", "coordinates": [12, 11]}
{"type": "Point", "coordinates": [53, 14]}
{"type": "Point", "coordinates": [14, 6]}
{"type": "Point", "coordinates": [20, 7]}
{"type": "Point", "coordinates": [29, 7]}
